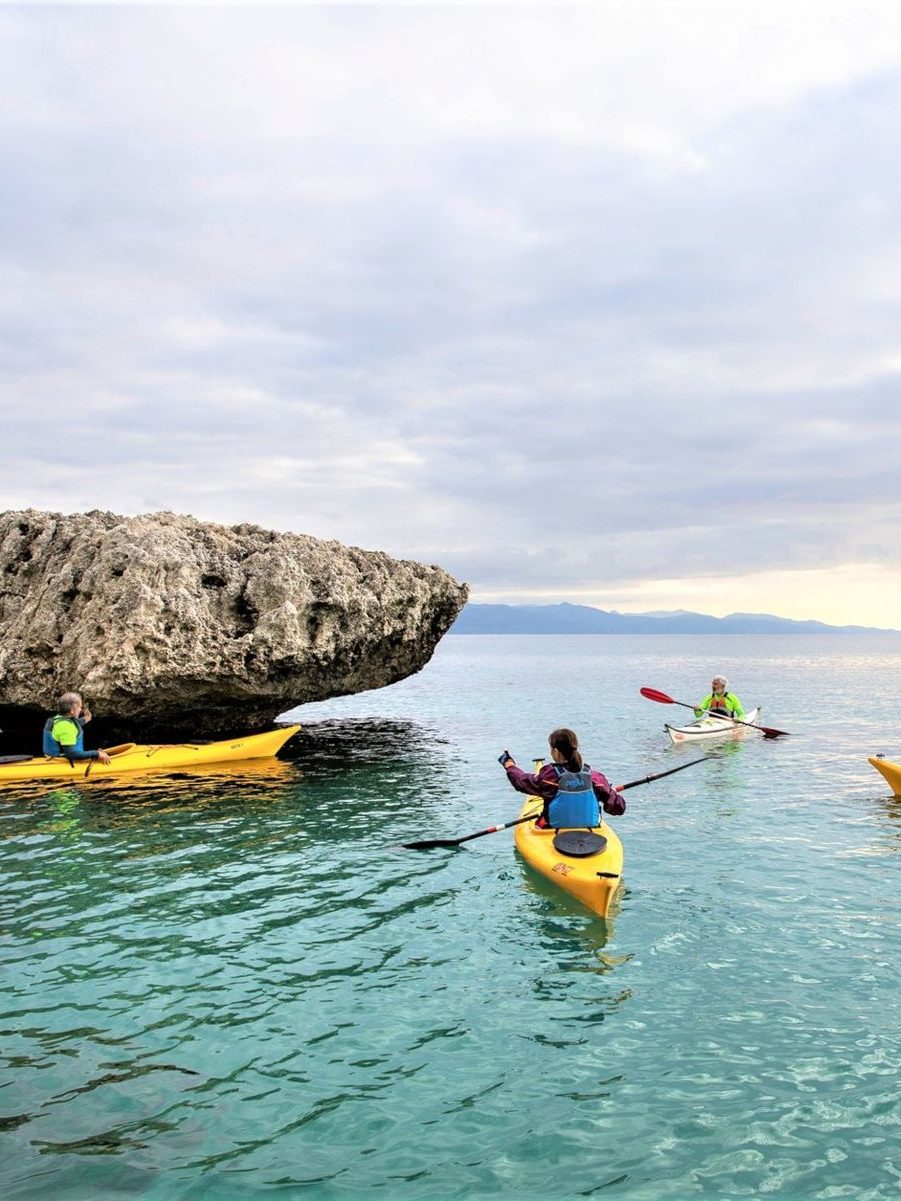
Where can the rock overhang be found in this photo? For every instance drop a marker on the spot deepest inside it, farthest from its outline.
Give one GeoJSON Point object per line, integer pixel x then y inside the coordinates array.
{"type": "Point", "coordinates": [174, 627]}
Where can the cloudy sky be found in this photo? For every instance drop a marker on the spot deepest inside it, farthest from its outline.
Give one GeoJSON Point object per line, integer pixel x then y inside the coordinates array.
{"type": "Point", "coordinates": [599, 304]}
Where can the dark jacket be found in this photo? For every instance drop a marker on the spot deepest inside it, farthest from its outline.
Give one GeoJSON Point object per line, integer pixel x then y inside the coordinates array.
{"type": "Point", "coordinates": [544, 785]}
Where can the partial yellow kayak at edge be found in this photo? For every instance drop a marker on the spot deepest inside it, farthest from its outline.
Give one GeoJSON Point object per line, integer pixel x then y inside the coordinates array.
{"type": "Point", "coordinates": [134, 757]}
{"type": "Point", "coordinates": [891, 771]}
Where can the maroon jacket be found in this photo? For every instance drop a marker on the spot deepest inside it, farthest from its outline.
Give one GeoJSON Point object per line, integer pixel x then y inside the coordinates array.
{"type": "Point", "coordinates": [545, 786]}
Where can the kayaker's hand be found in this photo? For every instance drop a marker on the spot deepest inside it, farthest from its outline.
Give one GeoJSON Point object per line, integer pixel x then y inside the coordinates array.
{"type": "Point", "coordinates": [505, 759]}
{"type": "Point", "coordinates": [103, 757]}
{"type": "Point", "coordinates": [86, 714]}
{"type": "Point", "coordinates": [615, 804]}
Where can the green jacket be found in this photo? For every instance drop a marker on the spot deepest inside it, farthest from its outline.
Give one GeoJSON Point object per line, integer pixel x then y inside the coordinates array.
{"type": "Point", "coordinates": [66, 731]}
{"type": "Point", "coordinates": [733, 704]}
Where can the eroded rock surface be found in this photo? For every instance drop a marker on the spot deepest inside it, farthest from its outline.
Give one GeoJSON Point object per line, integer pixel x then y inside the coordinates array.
{"type": "Point", "coordinates": [172, 627]}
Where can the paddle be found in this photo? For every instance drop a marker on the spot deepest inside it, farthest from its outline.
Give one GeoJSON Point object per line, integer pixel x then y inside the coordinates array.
{"type": "Point", "coordinates": [653, 695]}
{"type": "Point", "coordinates": [428, 843]}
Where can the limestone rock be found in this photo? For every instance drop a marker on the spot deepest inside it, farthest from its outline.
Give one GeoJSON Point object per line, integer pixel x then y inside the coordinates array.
{"type": "Point", "coordinates": [174, 627]}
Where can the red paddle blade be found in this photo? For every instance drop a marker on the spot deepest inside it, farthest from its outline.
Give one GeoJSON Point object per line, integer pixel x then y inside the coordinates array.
{"type": "Point", "coordinates": [653, 695]}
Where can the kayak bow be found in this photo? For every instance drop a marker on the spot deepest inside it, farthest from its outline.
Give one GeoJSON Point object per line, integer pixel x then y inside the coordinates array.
{"type": "Point", "coordinates": [891, 772]}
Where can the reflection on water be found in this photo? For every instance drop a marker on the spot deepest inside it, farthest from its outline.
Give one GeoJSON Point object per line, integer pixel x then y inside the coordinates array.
{"type": "Point", "coordinates": [200, 779]}
{"type": "Point", "coordinates": [222, 778]}
{"type": "Point", "coordinates": [888, 825]}
{"type": "Point", "coordinates": [113, 803]}
{"type": "Point", "coordinates": [573, 936]}
{"type": "Point", "coordinates": [325, 745]}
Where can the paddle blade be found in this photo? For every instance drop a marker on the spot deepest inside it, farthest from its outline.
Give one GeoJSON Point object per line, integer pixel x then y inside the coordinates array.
{"type": "Point", "coordinates": [427, 844]}
{"type": "Point", "coordinates": [653, 695]}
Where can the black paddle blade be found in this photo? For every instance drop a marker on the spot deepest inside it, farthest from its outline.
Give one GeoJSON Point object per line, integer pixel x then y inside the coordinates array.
{"type": "Point", "coordinates": [427, 844]}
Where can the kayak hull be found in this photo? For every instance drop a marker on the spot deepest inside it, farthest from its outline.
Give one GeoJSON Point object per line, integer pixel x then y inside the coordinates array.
{"type": "Point", "coordinates": [136, 757]}
{"type": "Point", "coordinates": [711, 727]}
{"type": "Point", "coordinates": [891, 772]}
{"type": "Point", "coordinates": [594, 880]}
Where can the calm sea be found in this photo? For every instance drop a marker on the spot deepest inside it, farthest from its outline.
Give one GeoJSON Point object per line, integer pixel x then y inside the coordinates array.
{"type": "Point", "coordinates": [235, 986]}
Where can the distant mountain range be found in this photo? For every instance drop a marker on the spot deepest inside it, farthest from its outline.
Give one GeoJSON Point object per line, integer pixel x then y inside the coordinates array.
{"type": "Point", "coordinates": [583, 619]}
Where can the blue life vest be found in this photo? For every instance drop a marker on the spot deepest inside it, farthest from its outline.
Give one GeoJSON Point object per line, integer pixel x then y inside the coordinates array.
{"type": "Point", "coordinates": [51, 746]}
{"type": "Point", "coordinates": [575, 804]}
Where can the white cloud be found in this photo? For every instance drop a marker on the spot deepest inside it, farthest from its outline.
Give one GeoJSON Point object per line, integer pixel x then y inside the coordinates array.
{"type": "Point", "coordinates": [563, 299]}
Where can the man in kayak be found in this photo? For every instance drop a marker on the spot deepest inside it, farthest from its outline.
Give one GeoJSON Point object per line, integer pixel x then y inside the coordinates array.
{"type": "Point", "coordinates": [720, 701]}
{"type": "Point", "coordinates": [572, 792]}
{"type": "Point", "coordinates": [64, 733]}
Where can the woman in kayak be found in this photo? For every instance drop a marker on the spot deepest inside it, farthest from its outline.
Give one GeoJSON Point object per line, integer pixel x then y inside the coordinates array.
{"type": "Point", "coordinates": [572, 792]}
{"type": "Point", "coordinates": [720, 701]}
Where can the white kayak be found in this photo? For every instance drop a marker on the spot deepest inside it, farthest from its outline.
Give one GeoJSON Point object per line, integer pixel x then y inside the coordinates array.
{"type": "Point", "coordinates": [712, 726]}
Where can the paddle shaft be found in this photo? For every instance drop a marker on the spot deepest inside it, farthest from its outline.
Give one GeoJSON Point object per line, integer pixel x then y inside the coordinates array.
{"type": "Point", "coordinates": [659, 775]}
{"type": "Point", "coordinates": [427, 844]}
{"type": "Point", "coordinates": [652, 694]}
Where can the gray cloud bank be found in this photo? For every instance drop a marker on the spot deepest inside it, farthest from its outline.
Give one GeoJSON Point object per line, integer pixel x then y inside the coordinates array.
{"type": "Point", "coordinates": [553, 299]}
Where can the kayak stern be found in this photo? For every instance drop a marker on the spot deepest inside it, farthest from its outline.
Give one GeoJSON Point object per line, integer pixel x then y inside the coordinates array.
{"type": "Point", "coordinates": [593, 880]}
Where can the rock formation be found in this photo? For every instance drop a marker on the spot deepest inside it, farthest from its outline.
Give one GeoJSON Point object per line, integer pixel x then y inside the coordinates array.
{"type": "Point", "coordinates": [175, 628]}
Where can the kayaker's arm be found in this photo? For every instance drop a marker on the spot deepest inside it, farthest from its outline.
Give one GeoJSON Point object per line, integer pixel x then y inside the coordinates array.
{"type": "Point", "coordinates": [541, 785]}
{"type": "Point", "coordinates": [609, 798]}
{"type": "Point", "coordinates": [77, 756]}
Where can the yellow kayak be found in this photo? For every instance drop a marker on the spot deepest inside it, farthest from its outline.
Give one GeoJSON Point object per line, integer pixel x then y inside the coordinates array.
{"type": "Point", "coordinates": [132, 756]}
{"type": "Point", "coordinates": [891, 771]}
{"type": "Point", "coordinates": [588, 868]}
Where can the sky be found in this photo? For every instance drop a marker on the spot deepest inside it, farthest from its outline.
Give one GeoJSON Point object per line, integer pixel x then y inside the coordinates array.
{"type": "Point", "coordinates": [597, 304]}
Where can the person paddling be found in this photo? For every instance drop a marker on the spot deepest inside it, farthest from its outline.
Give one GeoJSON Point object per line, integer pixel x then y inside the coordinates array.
{"type": "Point", "coordinates": [64, 733]}
{"type": "Point", "coordinates": [720, 702]}
{"type": "Point", "coordinates": [572, 792]}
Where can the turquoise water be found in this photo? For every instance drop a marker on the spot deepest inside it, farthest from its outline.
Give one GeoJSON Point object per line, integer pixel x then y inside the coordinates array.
{"type": "Point", "coordinates": [236, 986]}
